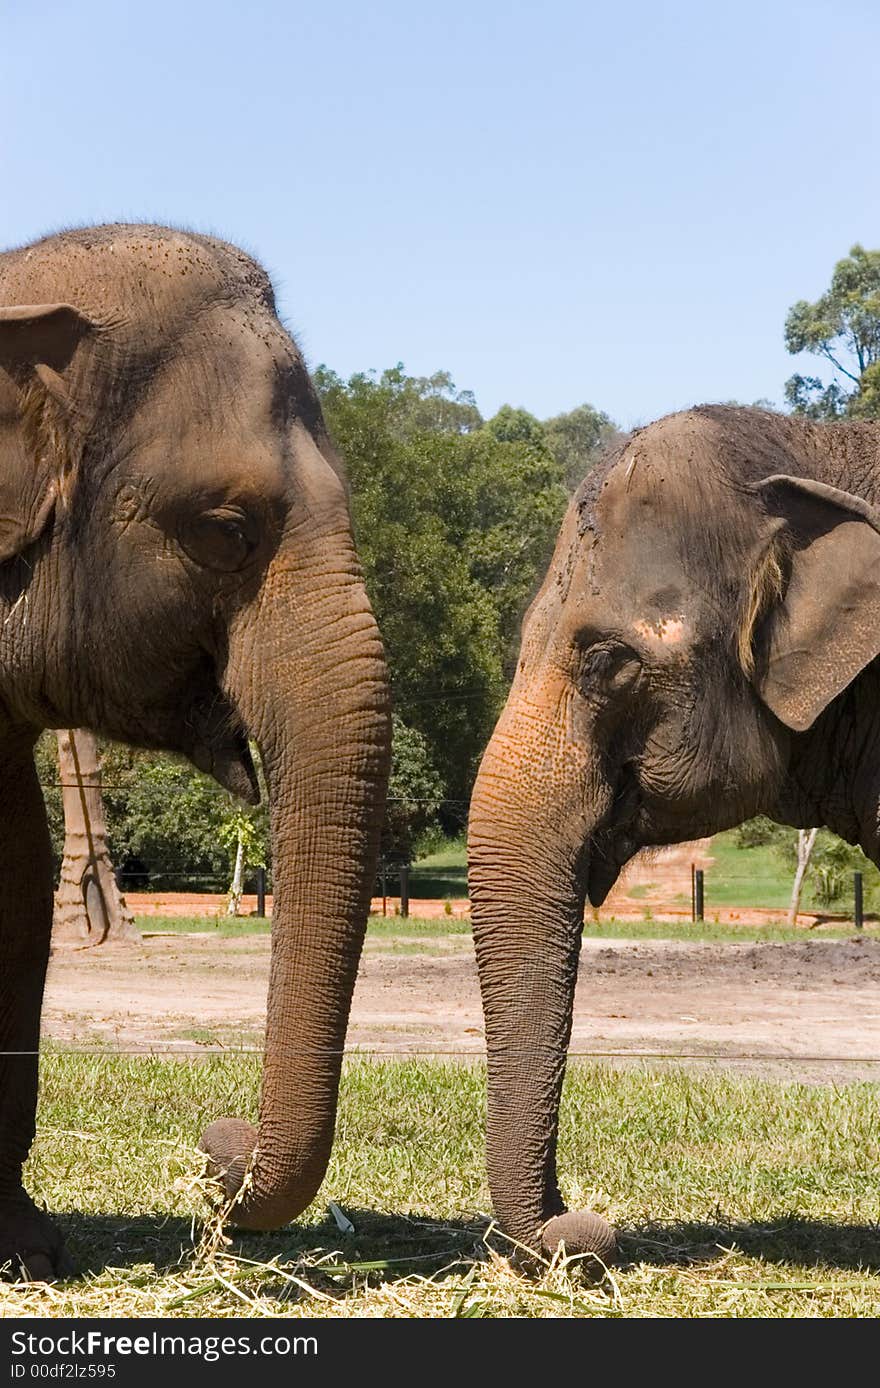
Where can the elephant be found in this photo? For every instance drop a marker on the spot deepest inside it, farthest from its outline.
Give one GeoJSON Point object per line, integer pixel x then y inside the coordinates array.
{"type": "Point", "coordinates": [178, 571]}
{"type": "Point", "coordinates": [703, 648]}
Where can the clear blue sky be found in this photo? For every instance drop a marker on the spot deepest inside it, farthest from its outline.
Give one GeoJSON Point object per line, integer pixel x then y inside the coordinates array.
{"type": "Point", "coordinates": [555, 201]}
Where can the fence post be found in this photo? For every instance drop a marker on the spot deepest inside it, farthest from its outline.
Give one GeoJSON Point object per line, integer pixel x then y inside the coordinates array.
{"type": "Point", "coordinates": [693, 893]}
{"type": "Point", "coordinates": [384, 891]}
{"type": "Point", "coordinates": [404, 889]}
{"type": "Point", "coordinates": [857, 894]}
{"type": "Point", "coordinates": [261, 892]}
{"type": "Point", "coordinates": [698, 894]}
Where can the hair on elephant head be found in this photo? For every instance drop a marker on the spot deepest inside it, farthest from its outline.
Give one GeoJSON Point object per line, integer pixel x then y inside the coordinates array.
{"type": "Point", "coordinates": [701, 650]}
{"type": "Point", "coordinates": [177, 570]}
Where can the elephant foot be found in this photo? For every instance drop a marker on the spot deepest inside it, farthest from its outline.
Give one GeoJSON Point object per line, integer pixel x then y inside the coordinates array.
{"type": "Point", "coordinates": [31, 1246]}
{"type": "Point", "coordinates": [581, 1232]}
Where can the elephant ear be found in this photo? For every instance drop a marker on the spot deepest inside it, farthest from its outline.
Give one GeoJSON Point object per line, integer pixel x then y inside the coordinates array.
{"type": "Point", "coordinates": [37, 342]}
{"type": "Point", "coordinates": [825, 627]}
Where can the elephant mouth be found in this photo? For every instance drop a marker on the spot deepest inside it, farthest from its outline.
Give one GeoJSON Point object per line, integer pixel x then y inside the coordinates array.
{"type": "Point", "coordinates": [614, 844]}
{"type": "Point", "coordinates": [218, 746]}
{"type": "Point", "coordinates": [603, 870]}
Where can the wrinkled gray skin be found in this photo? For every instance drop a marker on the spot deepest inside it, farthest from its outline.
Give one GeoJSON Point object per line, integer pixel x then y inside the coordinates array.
{"type": "Point", "coordinates": [177, 571]}
{"type": "Point", "coordinates": [702, 649]}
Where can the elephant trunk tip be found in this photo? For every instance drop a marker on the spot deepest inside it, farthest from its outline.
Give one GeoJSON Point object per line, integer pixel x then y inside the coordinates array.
{"type": "Point", "coordinates": [230, 1145]}
{"type": "Point", "coordinates": [581, 1234]}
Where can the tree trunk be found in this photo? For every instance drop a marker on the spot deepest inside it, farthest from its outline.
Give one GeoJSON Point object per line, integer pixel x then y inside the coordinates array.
{"type": "Point", "coordinates": [806, 839]}
{"type": "Point", "coordinates": [89, 908]}
{"type": "Point", "coordinates": [237, 886]}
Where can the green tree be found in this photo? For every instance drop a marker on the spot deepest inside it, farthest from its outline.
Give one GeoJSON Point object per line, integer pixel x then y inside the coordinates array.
{"type": "Point", "coordinates": [240, 835]}
{"type": "Point", "coordinates": [46, 760]}
{"type": "Point", "coordinates": [514, 425]}
{"type": "Point", "coordinates": [831, 866]}
{"type": "Point", "coordinates": [577, 439]}
{"type": "Point", "coordinates": [174, 821]}
{"type": "Point", "coordinates": [415, 793]}
{"type": "Point", "coordinates": [454, 525]}
{"type": "Point", "coordinates": [164, 818]}
{"type": "Point", "coordinates": [843, 327]}
{"type": "Point", "coordinates": [412, 405]}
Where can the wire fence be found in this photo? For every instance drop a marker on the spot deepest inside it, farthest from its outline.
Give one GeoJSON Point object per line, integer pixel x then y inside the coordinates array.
{"type": "Point", "coordinates": [710, 895]}
{"type": "Point", "coordinates": [473, 1053]}
{"type": "Point", "coordinates": [394, 880]}
{"type": "Point", "coordinates": [725, 895]}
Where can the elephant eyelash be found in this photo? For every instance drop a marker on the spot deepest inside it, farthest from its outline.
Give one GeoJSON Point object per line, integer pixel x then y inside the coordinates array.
{"type": "Point", "coordinates": [598, 663]}
{"type": "Point", "coordinates": [602, 659]}
{"type": "Point", "coordinates": [610, 667]}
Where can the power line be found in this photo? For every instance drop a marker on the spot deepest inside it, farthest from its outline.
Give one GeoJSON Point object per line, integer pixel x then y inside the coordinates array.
{"type": "Point", "coordinates": [162, 789]}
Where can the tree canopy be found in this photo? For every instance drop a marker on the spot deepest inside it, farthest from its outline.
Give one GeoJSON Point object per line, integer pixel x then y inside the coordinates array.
{"type": "Point", "coordinates": [577, 439]}
{"type": "Point", "coordinates": [843, 327]}
{"type": "Point", "coordinates": [455, 521]}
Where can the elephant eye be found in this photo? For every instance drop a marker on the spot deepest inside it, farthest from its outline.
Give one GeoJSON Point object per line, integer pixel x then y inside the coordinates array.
{"type": "Point", "coordinates": [220, 539]}
{"type": "Point", "coordinates": [610, 667]}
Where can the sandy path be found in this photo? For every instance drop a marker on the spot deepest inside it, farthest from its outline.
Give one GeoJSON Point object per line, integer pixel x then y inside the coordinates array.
{"type": "Point", "coordinates": [806, 999]}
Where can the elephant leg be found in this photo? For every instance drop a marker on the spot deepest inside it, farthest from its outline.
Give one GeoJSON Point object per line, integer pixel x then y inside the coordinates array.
{"type": "Point", "coordinates": [29, 1242]}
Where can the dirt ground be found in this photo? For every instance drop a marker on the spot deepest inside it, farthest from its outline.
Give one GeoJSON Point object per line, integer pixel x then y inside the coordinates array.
{"type": "Point", "coordinates": [807, 1009]}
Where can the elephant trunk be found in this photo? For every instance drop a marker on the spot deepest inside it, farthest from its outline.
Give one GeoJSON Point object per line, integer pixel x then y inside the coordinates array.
{"type": "Point", "coordinates": [535, 803]}
{"type": "Point", "coordinates": [308, 677]}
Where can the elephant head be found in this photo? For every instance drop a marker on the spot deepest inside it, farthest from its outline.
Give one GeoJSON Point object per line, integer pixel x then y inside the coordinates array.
{"type": "Point", "coordinates": [700, 651]}
{"type": "Point", "coordinates": [177, 570]}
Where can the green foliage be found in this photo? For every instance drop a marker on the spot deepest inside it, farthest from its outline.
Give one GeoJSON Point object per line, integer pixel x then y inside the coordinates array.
{"type": "Point", "coordinates": [428, 404]}
{"type": "Point", "coordinates": [843, 326]}
{"type": "Point", "coordinates": [757, 832]}
{"type": "Point", "coordinates": [512, 425]}
{"type": "Point", "coordinates": [240, 827]}
{"type": "Point", "coordinates": [832, 864]}
{"type": "Point", "coordinates": [808, 396]}
{"type": "Point", "coordinates": [576, 439]}
{"type": "Point", "coordinates": [168, 825]}
{"type": "Point", "coordinates": [415, 793]}
{"type": "Point", "coordinates": [181, 825]}
{"type": "Point", "coordinates": [46, 760]}
{"type": "Point", "coordinates": [455, 524]}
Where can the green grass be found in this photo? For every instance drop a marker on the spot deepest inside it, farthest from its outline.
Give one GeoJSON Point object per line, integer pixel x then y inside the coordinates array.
{"type": "Point", "coordinates": [709, 930]}
{"type": "Point", "coordinates": [749, 876]}
{"type": "Point", "coordinates": [403, 932]}
{"type": "Point", "coordinates": [417, 934]}
{"type": "Point", "coordinates": [735, 1197]}
{"type": "Point", "coordinates": [223, 927]}
{"type": "Point", "coordinates": [759, 877]}
{"type": "Point", "coordinates": [382, 927]}
{"type": "Point", "coordinates": [439, 875]}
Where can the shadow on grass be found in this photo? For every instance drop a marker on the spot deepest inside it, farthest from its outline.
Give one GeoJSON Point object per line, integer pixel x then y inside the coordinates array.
{"type": "Point", "coordinates": [406, 1244]}
{"type": "Point", "coordinates": [389, 1247]}
{"type": "Point", "coordinates": [435, 884]}
{"type": "Point", "coordinates": [808, 1243]}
